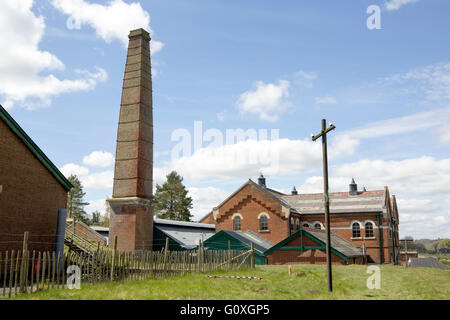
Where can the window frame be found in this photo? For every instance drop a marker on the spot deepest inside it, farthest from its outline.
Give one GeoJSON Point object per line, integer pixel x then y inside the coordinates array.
{"type": "Point", "coordinates": [234, 223]}
{"type": "Point", "coordinates": [371, 229]}
{"type": "Point", "coordinates": [263, 219]}
{"type": "Point", "coordinates": [358, 230]}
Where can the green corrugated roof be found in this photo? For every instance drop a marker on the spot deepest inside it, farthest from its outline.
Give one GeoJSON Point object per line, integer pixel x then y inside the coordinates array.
{"type": "Point", "coordinates": [35, 150]}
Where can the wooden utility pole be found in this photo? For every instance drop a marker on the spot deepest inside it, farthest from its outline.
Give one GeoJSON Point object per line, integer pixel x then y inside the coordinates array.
{"type": "Point", "coordinates": [323, 134]}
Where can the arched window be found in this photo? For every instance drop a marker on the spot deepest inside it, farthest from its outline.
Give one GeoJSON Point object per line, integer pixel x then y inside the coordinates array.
{"type": "Point", "coordinates": [317, 225]}
{"type": "Point", "coordinates": [356, 230]}
{"type": "Point", "coordinates": [305, 224]}
{"type": "Point", "coordinates": [237, 223]}
{"type": "Point", "coordinates": [369, 229]}
{"type": "Point", "coordinates": [297, 224]}
{"type": "Point", "coordinates": [263, 223]}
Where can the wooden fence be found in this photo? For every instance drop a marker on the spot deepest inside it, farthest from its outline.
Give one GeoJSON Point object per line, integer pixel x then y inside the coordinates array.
{"type": "Point", "coordinates": [26, 272]}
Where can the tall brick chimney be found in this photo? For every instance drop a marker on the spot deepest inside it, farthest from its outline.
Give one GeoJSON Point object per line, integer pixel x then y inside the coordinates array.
{"type": "Point", "coordinates": [130, 206]}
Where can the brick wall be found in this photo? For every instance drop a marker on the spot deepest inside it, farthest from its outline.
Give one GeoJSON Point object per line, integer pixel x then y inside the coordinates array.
{"type": "Point", "coordinates": [250, 202]}
{"type": "Point", "coordinates": [30, 198]}
{"type": "Point", "coordinates": [209, 218]}
{"type": "Point", "coordinates": [132, 223]}
{"type": "Point", "coordinates": [341, 225]}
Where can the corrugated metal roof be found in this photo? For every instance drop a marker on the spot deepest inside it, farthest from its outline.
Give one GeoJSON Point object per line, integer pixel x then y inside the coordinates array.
{"type": "Point", "coordinates": [337, 243]}
{"type": "Point", "coordinates": [159, 221]}
{"type": "Point", "coordinates": [260, 244]}
{"type": "Point", "coordinates": [186, 236]}
{"type": "Point", "coordinates": [372, 201]}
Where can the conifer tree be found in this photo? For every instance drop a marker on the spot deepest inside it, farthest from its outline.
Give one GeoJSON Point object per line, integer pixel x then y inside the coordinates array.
{"type": "Point", "coordinates": [171, 199]}
{"type": "Point", "coordinates": [75, 201]}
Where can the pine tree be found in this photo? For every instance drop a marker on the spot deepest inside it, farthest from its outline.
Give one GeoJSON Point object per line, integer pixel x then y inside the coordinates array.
{"type": "Point", "coordinates": [75, 201]}
{"type": "Point", "coordinates": [95, 217]}
{"type": "Point", "coordinates": [171, 200]}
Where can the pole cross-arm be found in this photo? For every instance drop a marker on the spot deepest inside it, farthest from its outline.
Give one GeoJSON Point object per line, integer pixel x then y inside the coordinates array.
{"type": "Point", "coordinates": [314, 138]}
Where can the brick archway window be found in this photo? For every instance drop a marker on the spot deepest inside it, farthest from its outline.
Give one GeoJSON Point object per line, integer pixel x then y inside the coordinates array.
{"type": "Point", "coordinates": [369, 230]}
{"type": "Point", "coordinates": [263, 223]}
{"type": "Point", "coordinates": [317, 226]}
{"type": "Point", "coordinates": [356, 230]}
{"type": "Point", "coordinates": [237, 223]}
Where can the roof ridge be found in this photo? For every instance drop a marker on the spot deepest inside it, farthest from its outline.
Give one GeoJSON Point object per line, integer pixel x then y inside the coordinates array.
{"type": "Point", "coordinates": [33, 147]}
{"type": "Point", "coordinates": [332, 193]}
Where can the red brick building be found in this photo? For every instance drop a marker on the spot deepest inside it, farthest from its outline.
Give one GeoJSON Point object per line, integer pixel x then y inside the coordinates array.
{"type": "Point", "coordinates": [32, 190]}
{"type": "Point", "coordinates": [366, 219]}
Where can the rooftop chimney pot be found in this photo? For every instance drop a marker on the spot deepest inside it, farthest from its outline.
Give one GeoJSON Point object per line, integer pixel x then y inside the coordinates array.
{"type": "Point", "coordinates": [353, 188]}
{"type": "Point", "coordinates": [262, 181]}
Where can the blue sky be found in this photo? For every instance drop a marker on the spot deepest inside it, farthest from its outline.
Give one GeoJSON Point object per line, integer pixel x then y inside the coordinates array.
{"type": "Point", "coordinates": [255, 65]}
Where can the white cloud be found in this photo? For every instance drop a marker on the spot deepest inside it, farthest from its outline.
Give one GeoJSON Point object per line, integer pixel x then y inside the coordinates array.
{"type": "Point", "coordinates": [96, 205]}
{"type": "Point", "coordinates": [99, 180]}
{"type": "Point", "coordinates": [325, 100]}
{"type": "Point", "coordinates": [444, 133]}
{"type": "Point", "coordinates": [304, 78]}
{"type": "Point", "coordinates": [95, 180]}
{"type": "Point", "coordinates": [413, 122]}
{"type": "Point", "coordinates": [72, 168]}
{"type": "Point", "coordinates": [248, 158]}
{"type": "Point", "coordinates": [21, 60]}
{"type": "Point", "coordinates": [204, 199]}
{"type": "Point", "coordinates": [114, 20]}
{"type": "Point", "coordinates": [268, 101]}
{"type": "Point", "coordinates": [432, 81]}
{"type": "Point", "coordinates": [99, 159]}
{"type": "Point", "coordinates": [421, 186]}
{"type": "Point", "coordinates": [396, 4]}
{"type": "Point", "coordinates": [416, 176]}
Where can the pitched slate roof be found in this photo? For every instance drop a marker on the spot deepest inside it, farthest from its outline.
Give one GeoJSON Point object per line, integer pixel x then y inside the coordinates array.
{"type": "Point", "coordinates": [260, 244]}
{"type": "Point", "coordinates": [273, 193]}
{"type": "Point", "coordinates": [340, 202]}
{"type": "Point", "coordinates": [35, 150]}
{"type": "Point", "coordinates": [186, 234]}
{"type": "Point", "coordinates": [339, 244]}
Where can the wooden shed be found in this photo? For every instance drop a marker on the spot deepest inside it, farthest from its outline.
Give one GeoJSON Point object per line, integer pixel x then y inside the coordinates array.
{"type": "Point", "coordinates": [239, 240]}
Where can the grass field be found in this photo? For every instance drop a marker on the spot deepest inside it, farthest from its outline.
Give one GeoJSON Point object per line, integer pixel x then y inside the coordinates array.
{"type": "Point", "coordinates": [306, 282]}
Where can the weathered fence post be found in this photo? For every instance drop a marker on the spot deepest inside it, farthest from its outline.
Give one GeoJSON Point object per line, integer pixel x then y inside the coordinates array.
{"type": "Point", "coordinates": [11, 270]}
{"type": "Point", "coordinates": [23, 262]}
{"type": "Point", "coordinates": [252, 261]}
{"type": "Point", "coordinates": [229, 255]}
{"type": "Point", "coordinates": [166, 255]}
{"type": "Point", "coordinates": [113, 258]}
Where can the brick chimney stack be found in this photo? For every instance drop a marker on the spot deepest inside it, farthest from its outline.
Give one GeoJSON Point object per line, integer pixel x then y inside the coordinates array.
{"type": "Point", "coordinates": [130, 205]}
